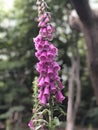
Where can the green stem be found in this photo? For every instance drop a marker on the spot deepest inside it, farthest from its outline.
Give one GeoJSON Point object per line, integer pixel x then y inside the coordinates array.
{"type": "Point", "coordinates": [51, 115]}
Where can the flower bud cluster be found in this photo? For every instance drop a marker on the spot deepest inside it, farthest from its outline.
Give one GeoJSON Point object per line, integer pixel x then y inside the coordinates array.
{"type": "Point", "coordinates": [49, 81]}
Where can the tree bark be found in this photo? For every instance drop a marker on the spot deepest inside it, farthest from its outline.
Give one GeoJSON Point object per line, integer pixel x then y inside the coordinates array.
{"type": "Point", "coordinates": [70, 118]}
{"type": "Point", "coordinates": [89, 26]}
{"type": "Point", "coordinates": [74, 84]}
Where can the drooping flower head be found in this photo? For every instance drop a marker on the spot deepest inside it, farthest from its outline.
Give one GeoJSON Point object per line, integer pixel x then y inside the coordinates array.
{"type": "Point", "coordinates": [49, 81]}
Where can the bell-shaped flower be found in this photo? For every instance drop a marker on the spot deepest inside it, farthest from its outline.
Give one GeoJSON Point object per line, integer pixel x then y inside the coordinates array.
{"type": "Point", "coordinates": [38, 53]}
{"type": "Point", "coordinates": [43, 56]}
{"type": "Point", "coordinates": [50, 72]}
{"type": "Point", "coordinates": [31, 125]}
{"type": "Point", "coordinates": [47, 80]}
{"type": "Point", "coordinates": [46, 91]}
{"type": "Point", "coordinates": [50, 55]}
{"type": "Point", "coordinates": [40, 94]}
{"type": "Point", "coordinates": [43, 32]}
{"type": "Point", "coordinates": [43, 72]}
{"type": "Point", "coordinates": [47, 19]}
{"type": "Point", "coordinates": [40, 64]}
{"type": "Point", "coordinates": [37, 39]}
{"type": "Point", "coordinates": [53, 49]}
{"type": "Point", "coordinates": [60, 85]}
{"type": "Point", "coordinates": [41, 83]}
{"type": "Point", "coordinates": [43, 100]}
{"type": "Point", "coordinates": [42, 24]}
{"type": "Point", "coordinates": [52, 87]}
{"type": "Point", "coordinates": [56, 67]}
{"type": "Point", "coordinates": [50, 37]}
{"type": "Point", "coordinates": [45, 15]}
{"type": "Point", "coordinates": [39, 46]}
{"type": "Point", "coordinates": [39, 68]}
{"type": "Point", "coordinates": [56, 77]}
{"type": "Point", "coordinates": [41, 18]}
{"type": "Point", "coordinates": [46, 46]}
{"type": "Point", "coordinates": [50, 29]}
{"type": "Point", "coordinates": [40, 77]}
{"type": "Point", "coordinates": [59, 96]}
{"type": "Point", "coordinates": [46, 42]}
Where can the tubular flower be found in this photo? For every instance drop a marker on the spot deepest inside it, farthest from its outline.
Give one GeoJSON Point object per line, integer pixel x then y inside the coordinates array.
{"type": "Point", "coordinates": [49, 81]}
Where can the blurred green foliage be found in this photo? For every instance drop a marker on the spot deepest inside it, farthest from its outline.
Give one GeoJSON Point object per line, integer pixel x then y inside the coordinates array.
{"type": "Point", "coordinates": [18, 62]}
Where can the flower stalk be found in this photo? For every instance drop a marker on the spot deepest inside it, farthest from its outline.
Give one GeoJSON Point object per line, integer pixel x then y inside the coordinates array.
{"type": "Point", "coordinates": [49, 85]}
{"type": "Point", "coordinates": [51, 115]}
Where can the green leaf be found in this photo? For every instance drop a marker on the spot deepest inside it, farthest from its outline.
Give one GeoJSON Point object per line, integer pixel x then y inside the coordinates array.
{"type": "Point", "coordinates": [38, 127]}
{"type": "Point", "coordinates": [56, 121]}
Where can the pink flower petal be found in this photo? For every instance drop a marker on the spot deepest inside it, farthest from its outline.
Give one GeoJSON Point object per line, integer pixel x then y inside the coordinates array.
{"type": "Point", "coordinates": [46, 91]}
{"type": "Point", "coordinates": [59, 96]}
{"type": "Point", "coordinates": [43, 100]}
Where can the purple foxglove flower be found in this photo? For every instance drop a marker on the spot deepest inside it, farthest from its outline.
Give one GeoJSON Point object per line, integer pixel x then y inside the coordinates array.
{"type": "Point", "coordinates": [39, 68]}
{"type": "Point", "coordinates": [42, 24]}
{"type": "Point", "coordinates": [47, 20]}
{"type": "Point", "coordinates": [43, 56]}
{"type": "Point", "coordinates": [40, 65]}
{"type": "Point", "coordinates": [31, 125]}
{"type": "Point", "coordinates": [41, 82]}
{"type": "Point", "coordinates": [50, 55]}
{"type": "Point", "coordinates": [46, 42]}
{"type": "Point", "coordinates": [56, 66]}
{"type": "Point", "coordinates": [50, 72]}
{"type": "Point", "coordinates": [57, 78]}
{"type": "Point", "coordinates": [47, 80]}
{"type": "Point", "coordinates": [39, 47]}
{"type": "Point", "coordinates": [50, 37]}
{"type": "Point", "coordinates": [46, 47]}
{"type": "Point", "coordinates": [60, 85]}
{"type": "Point", "coordinates": [38, 53]}
{"type": "Point", "coordinates": [41, 18]}
{"type": "Point", "coordinates": [59, 96]}
{"type": "Point", "coordinates": [52, 87]}
{"type": "Point", "coordinates": [40, 94]}
{"type": "Point", "coordinates": [44, 64]}
{"type": "Point", "coordinates": [53, 49]}
{"type": "Point", "coordinates": [43, 72]}
{"type": "Point", "coordinates": [47, 63]}
{"type": "Point", "coordinates": [37, 39]}
{"type": "Point", "coordinates": [46, 91]}
{"type": "Point", "coordinates": [43, 32]}
{"type": "Point", "coordinates": [50, 29]}
{"type": "Point", "coordinates": [40, 77]}
{"type": "Point", "coordinates": [43, 100]}
{"type": "Point", "coordinates": [45, 15]}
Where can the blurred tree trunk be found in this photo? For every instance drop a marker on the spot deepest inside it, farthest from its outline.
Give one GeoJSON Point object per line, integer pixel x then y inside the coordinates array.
{"type": "Point", "coordinates": [74, 88]}
{"type": "Point", "coordinates": [87, 22]}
